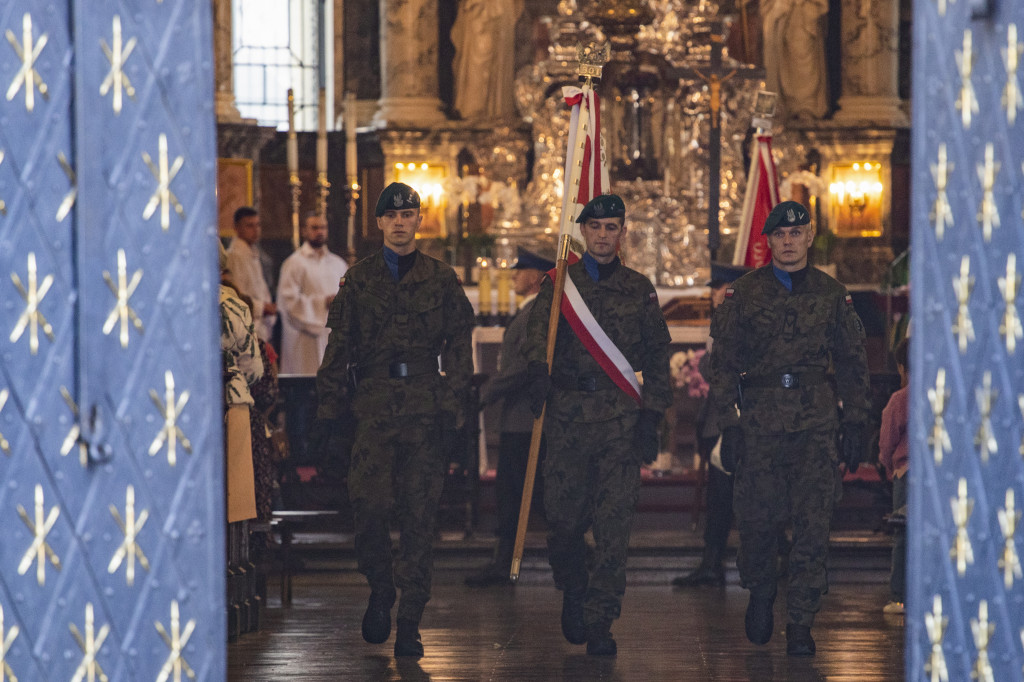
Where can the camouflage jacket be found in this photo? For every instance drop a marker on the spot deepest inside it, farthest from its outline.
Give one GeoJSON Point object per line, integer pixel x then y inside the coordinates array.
{"type": "Point", "coordinates": [375, 320]}
{"type": "Point", "coordinates": [626, 307]}
{"type": "Point", "coordinates": [763, 331]}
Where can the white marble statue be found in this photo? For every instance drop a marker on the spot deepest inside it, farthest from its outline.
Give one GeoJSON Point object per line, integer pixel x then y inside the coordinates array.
{"type": "Point", "coordinates": [484, 39]}
{"type": "Point", "coordinates": [794, 55]}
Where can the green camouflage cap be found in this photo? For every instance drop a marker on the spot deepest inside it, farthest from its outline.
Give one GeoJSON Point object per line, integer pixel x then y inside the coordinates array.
{"type": "Point", "coordinates": [603, 206]}
{"type": "Point", "coordinates": [786, 214]}
{"type": "Point", "coordinates": [396, 197]}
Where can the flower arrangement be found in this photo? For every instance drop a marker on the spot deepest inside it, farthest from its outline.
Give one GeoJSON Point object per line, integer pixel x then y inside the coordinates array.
{"type": "Point", "coordinates": [685, 372]}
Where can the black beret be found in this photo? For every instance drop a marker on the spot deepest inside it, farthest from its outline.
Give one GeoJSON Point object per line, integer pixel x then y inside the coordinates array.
{"type": "Point", "coordinates": [725, 273]}
{"type": "Point", "coordinates": [603, 206]}
{"type": "Point", "coordinates": [397, 196]}
{"type": "Point", "coordinates": [528, 260]}
{"type": "Point", "coordinates": [786, 214]}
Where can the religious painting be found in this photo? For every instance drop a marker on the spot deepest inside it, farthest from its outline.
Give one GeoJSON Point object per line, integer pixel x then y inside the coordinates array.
{"type": "Point", "coordinates": [234, 189]}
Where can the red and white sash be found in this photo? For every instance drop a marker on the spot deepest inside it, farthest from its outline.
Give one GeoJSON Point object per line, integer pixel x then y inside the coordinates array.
{"type": "Point", "coordinates": [596, 341]}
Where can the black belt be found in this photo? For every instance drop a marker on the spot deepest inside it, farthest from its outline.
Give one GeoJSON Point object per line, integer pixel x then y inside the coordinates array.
{"type": "Point", "coordinates": [395, 370]}
{"type": "Point", "coordinates": [786, 380]}
{"type": "Point", "coordinates": [583, 382]}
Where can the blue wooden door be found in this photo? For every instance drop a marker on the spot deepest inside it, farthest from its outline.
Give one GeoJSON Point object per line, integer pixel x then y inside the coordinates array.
{"type": "Point", "coordinates": [965, 617]}
{"type": "Point", "coordinates": [111, 465]}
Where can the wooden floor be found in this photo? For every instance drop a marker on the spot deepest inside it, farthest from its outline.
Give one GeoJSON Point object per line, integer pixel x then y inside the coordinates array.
{"type": "Point", "coordinates": [512, 633]}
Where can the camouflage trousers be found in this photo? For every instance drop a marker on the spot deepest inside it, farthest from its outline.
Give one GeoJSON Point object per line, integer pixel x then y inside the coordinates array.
{"type": "Point", "coordinates": [591, 479]}
{"type": "Point", "coordinates": [397, 472]}
{"type": "Point", "coordinates": [788, 478]}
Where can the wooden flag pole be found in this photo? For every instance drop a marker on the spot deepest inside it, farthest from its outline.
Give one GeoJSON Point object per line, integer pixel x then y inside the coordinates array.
{"type": "Point", "coordinates": [589, 71]}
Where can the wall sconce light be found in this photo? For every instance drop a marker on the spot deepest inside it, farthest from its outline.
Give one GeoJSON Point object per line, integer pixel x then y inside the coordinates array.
{"type": "Point", "coordinates": [856, 192]}
{"type": "Point", "coordinates": [428, 180]}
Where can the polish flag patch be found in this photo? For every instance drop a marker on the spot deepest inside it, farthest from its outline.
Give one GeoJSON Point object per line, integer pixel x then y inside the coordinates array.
{"type": "Point", "coordinates": [849, 300]}
{"type": "Point", "coordinates": [729, 292]}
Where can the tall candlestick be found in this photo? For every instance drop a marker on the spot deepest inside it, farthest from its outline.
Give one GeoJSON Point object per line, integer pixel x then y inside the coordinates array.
{"type": "Point", "coordinates": [350, 135]}
{"type": "Point", "coordinates": [293, 168]}
{"type": "Point", "coordinates": [351, 171]}
{"type": "Point", "coordinates": [321, 154]}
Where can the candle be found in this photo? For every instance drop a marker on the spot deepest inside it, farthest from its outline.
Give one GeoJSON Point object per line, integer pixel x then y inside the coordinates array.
{"type": "Point", "coordinates": [293, 142]}
{"type": "Point", "coordinates": [321, 138]}
{"type": "Point", "coordinates": [503, 291]}
{"type": "Point", "coordinates": [485, 288]}
{"type": "Point", "coordinates": [351, 163]}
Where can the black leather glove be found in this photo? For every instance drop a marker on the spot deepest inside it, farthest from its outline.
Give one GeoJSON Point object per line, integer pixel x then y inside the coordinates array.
{"type": "Point", "coordinates": [851, 445]}
{"type": "Point", "coordinates": [732, 448]}
{"type": "Point", "coordinates": [647, 441]}
{"type": "Point", "coordinates": [538, 384]}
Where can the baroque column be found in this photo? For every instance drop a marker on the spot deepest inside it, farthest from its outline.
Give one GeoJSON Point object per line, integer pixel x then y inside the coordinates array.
{"type": "Point", "coordinates": [408, 56]}
{"type": "Point", "coordinates": [223, 68]}
{"type": "Point", "coordinates": [870, 51]}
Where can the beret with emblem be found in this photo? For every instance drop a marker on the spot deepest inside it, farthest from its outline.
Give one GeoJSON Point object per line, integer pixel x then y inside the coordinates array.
{"type": "Point", "coordinates": [786, 214]}
{"type": "Point", "coordinates": [603, 206]}
{"type": "Point", "coordinates": [528, 260]}
{"type": "Point", "coordinates": [397, 196]}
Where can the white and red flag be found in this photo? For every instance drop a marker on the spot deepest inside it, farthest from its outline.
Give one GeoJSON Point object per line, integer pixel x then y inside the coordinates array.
{"type": "Point", "coordinates": [760, 198]}
{"type": "Point", "coordinates": [585, 159]}
{"type": "Point", "coordinates": [586, 164]}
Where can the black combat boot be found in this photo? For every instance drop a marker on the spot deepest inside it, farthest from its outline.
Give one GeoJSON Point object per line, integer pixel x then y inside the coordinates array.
{"type": "Point", "coordinates": [600, 641]}
{"type": "Point", "coordinates": [407, 639]}
{"type": "Point", "coordinates": [377, 619]}
{"type": "Point", "coordinates": [760, 619]}
{"type": "Point", "coordinates": [709, 572]}
{"type": "Point", "coordinates": [798, 640]}
{"type": "Point", "coordinates": [497, 571]}
{"type": "Point", "coordinates": [573, 627]}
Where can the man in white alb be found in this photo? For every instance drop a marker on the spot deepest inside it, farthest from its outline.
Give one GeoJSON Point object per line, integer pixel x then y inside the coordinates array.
{"type": "Point", "coordinates": [244, 264]}
{"type": "Point", "coordinates": [307, 285]}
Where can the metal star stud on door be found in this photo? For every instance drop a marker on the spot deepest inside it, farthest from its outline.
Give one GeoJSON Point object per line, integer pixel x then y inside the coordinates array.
{"type": "Point", "coordinates": [171, 409]}
{"type": "Point", "coordinates": [123, 290]}
{"type": "Point", "coordinates": [988, 212]}
{"type": "Point", "coordinates": [935, 625]}
{"type": "Point", "coordinates": [31, 318]}
{"type": "Point", "coordinates": [1010, 325]}
{"type": "Point", "coordinates": [176, 640]}
{"type": "Point", "coordinates": [130, 526]}
{"type": "Point", "coordinates": [939, 438]}
{"type": "Point", "coordinates": [40, 549]}
{"type": "Point", "coordinates": [1009, 561]}
{"type": "Point", "coordinates": [90, 643]}
{"type": "Point", "coordinates": [962, 506]}
{"type": "Point", "coordinates": [942, 213]}
{"type": "Point", "coordinates": [117, 80]}
{"type": "Point", "coordinates": [28, 51]}
{"type": "Point", "coordinates": [963, 285]}
{"type": "Point", "coordinates": [985, 439]}
{"type": "Point", "coordinates": [162, 195]}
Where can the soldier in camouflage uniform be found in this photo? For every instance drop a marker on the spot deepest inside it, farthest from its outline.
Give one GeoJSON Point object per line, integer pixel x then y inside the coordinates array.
{"type": "Point", "coordinates": [597, 434]}
{"type": "Point", "coordinates": [788, 346]}
{"type": "Point", "coordinates": [395, 313]}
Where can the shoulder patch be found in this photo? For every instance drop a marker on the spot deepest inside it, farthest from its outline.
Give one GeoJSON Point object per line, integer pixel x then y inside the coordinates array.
{"type": "Point", "coordinates": [458, 279]}
{"type": "Point", "coordinates": [341, 282]}
{"type": "Point", "coordinates": [652, 297]}
{"type": "Point", "coordinates": [849, 300]}
{"type": "Point", "coordinates": [729, 292]}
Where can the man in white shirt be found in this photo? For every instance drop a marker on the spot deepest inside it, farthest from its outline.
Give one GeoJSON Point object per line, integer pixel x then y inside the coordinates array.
{"type": "Point", "coordinates": [246, 270]}
{"type": "Point", "coordinates": [307, 285]}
